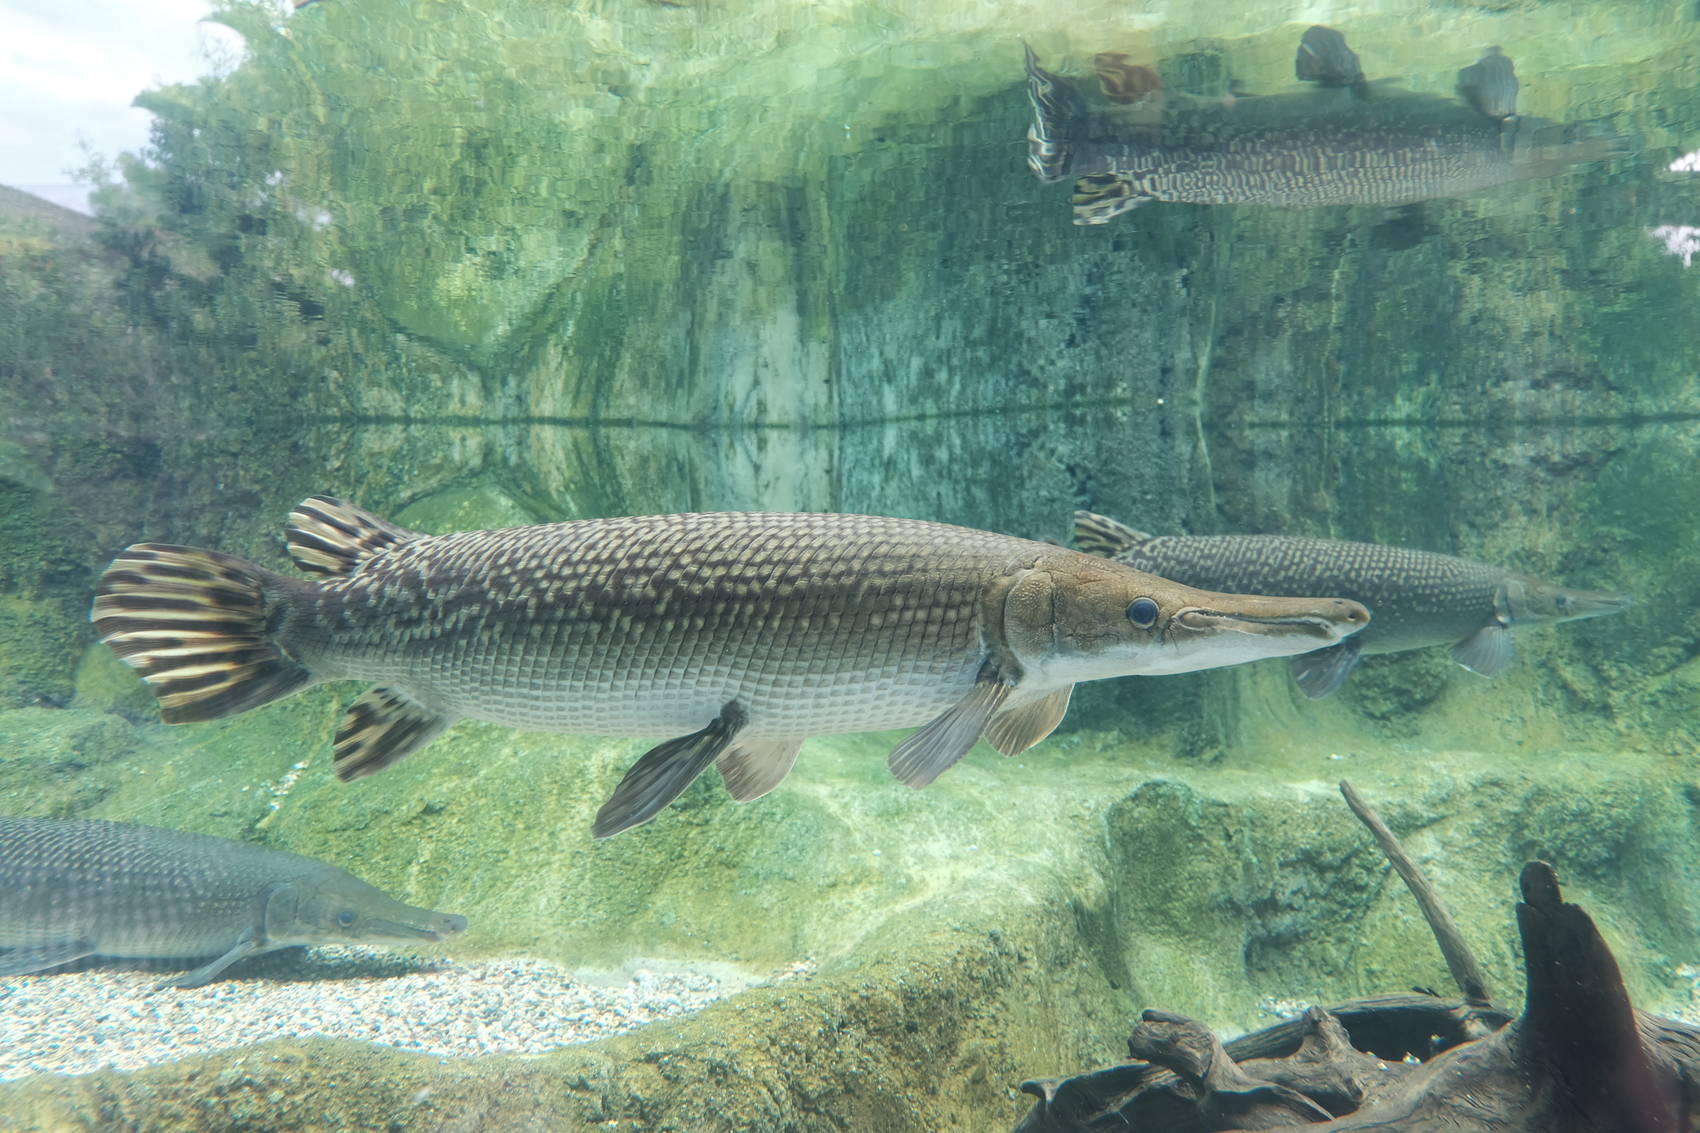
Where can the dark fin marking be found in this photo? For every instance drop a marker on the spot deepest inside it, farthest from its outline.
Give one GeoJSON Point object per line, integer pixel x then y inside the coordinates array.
{"type": "Point", "coordinates": [1102, 197]}
{"type": "Point", "coordinates": [194, 624]}
{"type": "Point", "coordinates": [383, 726]}
{"type": "Point", "coordinates": [40, 957]}
{"type": "Point", "coordinates": [1487, 651]}
{"type": "Point", "coordinates": [1100, 535]}
{"type": "Point", "coordinates": [1490, 85]}
{"type": "Point", "coordinates": [752, 768]}
{"type": "Point", "coordinates": [664, 772]}
{"type": "Point", "coordinates": [1321, 672]}
{"type": "Point", "coordinates": [330, 536]}
{"type": "Point", "coordinates": [246, 945]}
{"type": "Point", "coordinates": [932, 751]}
{"type": "Point", "coordinates": [1058, 112]}
{"type": "Point", "coordinates": [1324, 58]}
{"type": "Point", "coordinates": [1018, 729]}
{"type": "Point", "coordinates": [1124, 82]}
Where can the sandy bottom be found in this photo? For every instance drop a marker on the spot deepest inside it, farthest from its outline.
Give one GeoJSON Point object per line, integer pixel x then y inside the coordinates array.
{"type": "Point", "coordinates": [112, 1018]}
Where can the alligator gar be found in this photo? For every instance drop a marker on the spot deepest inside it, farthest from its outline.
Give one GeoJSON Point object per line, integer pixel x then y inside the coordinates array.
{"type": "Point", "coordinates": [1340, 142]}
{"type": "Point", "coordinates": [1419, 598]}
{"type": "Point", "coordinates": [738, 634]}
{"type": "Point", "coordinates": [73, 888]}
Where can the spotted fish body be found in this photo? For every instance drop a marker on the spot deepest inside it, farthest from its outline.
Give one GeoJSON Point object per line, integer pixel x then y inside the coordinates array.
{"type": "Point", "coordinates": [648, 625]}
{"type": "Point", "coordinates": [1418, 598]}
{"type": "Point", "coordinates": [1344, 145]}
{"type": "Point", "coordinates": [76, 888]}
{"type": "Point", "coordinates": [741, 634]}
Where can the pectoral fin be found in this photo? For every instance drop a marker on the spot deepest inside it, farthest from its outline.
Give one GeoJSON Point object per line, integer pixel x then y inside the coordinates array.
{"type": "Point", "coordinates": [1322, 671]}
{"type": "Point", "coordinates": [248, 944]}
{"type": "Point", "coordinates": [928, 753]}
{"type": "Point", "coordinates": [1018, 729]}
{"type": "Point", "coordinates": [381, 727]}
{"type": "Point", "coordinates": [664, 772]}
{"type": "Point", "coordinates": [1486, 651]}
{"type": "Point", "coordinates": [40, 957]}
{"type": "Point", "coordinates": [753, 768]}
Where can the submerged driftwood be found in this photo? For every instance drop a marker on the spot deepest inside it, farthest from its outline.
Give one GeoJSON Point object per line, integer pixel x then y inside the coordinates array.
{"type": "Point", "coordinates": [1579, 1059]}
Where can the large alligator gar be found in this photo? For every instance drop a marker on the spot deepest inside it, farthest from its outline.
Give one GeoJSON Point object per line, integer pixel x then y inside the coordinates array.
{"type": "Point", "coordinates": [1340, 142]}
{"type": "Point", "coordinates": [741, 634]}
{"type": "Point", "coordinates": [1419, 598]}
{"type": "Point", "coordinates": [76, 888]}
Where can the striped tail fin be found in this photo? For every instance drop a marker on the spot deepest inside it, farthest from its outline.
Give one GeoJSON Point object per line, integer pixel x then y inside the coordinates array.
{"type": "Point", "coordinates": [195, 625]}
{"type": "Point", "coordinates": [1058, 114]}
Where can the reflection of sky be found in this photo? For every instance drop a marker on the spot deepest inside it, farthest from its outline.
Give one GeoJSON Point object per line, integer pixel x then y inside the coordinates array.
{"type": "Point", "coordinates": [68, 71]}
{"type": "Point", "coordinates": [1687, 163]}
{"type": "Point", "coordinates": [1680, 240]}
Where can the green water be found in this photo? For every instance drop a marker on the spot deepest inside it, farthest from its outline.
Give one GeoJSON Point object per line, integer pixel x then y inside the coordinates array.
{"type": "Point", "coordinates": [503, 262]}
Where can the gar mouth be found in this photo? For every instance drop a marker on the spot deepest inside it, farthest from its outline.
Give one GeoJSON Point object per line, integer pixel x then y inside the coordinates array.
{"type": "Point", "coordinates": [1305, 625]}
{"type": "Point", "coordinates": [398, 930]}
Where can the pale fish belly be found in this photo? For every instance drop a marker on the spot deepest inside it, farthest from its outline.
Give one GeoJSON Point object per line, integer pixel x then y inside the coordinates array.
{"type": "Point", "coordinates": [184, 932]}
{"type": "Point", "coordinates": [658, 695]}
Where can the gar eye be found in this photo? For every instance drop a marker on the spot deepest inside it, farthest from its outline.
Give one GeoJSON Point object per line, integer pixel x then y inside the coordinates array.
{"type": "Point", "coordinates": [1142, 612]}
{"type": "Point", "coordinates": [346, 917]}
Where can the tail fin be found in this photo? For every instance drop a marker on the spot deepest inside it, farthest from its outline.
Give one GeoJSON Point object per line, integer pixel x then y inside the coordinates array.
{"type": "Point", "coordinates": [330, 536]}
{"type": "Point", "coordinates": [196, 625]}
{"type": "Point", "coordinates": [1058, 112]}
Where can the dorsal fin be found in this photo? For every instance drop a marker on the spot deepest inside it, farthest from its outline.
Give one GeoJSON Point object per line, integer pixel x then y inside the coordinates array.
{"type": "Point", "coordinates": [331, 536]}
{"type": "Point", "coordinates": [1100, 535]}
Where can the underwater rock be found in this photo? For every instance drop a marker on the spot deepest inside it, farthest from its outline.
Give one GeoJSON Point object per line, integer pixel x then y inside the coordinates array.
{"type": "Point", "coordinates": [1579, 1059]}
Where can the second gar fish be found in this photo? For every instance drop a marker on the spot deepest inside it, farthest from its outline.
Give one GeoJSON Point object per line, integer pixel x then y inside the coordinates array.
{"type": "Point", "coordinates": [1419, 598]}
{"type": "Point", "coordinates": [72, 888]}
{"type": "Point", "coordinates": [739, 634]}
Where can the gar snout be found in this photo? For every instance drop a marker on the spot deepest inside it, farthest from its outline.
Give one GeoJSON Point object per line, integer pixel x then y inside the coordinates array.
{"type": "Point", "coordinates": [1574, 605]}
{"type": "Point", "coordinates": [427, 926]}
{"type": "Point", "coordinates": [1324, 620]}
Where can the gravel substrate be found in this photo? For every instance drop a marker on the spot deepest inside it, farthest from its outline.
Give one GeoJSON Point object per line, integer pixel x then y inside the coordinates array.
{"type": "Point", "coordinates": [80, 1021]}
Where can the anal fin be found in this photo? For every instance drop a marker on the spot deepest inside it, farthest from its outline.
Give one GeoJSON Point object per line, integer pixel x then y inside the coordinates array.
{"type": "Point", "coordinates": [40, 957]}
{"type": "Point", "coordinates": [664, 772]}
{"type": "Point", "coordinates": [381, 727]}
{"type": "Point", "coordinates": [752, 768]}
{"type": "Point", "coordinates": [1101, 197]}
{"type": "Point", "coordinates": [931, 751]}
{"type": "Point", "coordinates": [1321, 672]}
{"type": "Point", "coordinates": [1017, 729]}
{"type": "Point", "coordinates": [1486, 651]}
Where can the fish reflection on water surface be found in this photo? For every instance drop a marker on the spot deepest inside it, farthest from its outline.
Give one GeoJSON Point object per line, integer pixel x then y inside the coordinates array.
{"type": "Point", "coordinates": [741, 634]}
{"type": "Point", "coordinates": [1342, 142]}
